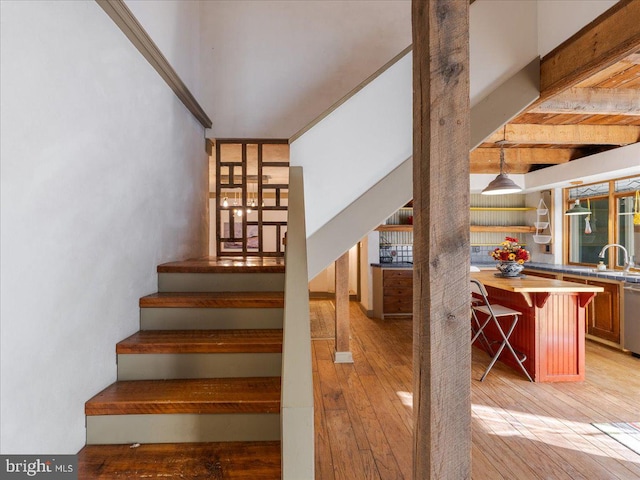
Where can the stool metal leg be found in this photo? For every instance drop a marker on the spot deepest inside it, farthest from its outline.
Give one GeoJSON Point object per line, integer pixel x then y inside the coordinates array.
{"type": "Point", "coordinates": [478, 332]}
{"type": "Point", "coordinates": [506, 343]}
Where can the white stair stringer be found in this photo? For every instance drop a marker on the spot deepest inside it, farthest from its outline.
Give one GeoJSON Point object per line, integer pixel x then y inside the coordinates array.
{"type": "Point", "coordinates": [367, 212]}
{"type": "Point", "coordinates": [357, 158]}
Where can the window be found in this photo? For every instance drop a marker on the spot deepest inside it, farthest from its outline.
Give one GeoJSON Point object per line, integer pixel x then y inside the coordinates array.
{"type": "Point", "coordinates": [627, 233]}
{"type": "Point", "coordinates": [610, 221]}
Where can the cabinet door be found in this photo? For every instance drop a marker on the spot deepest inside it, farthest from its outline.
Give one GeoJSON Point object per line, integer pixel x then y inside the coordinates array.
{"type": "Point", "coordinates": [603, 314]}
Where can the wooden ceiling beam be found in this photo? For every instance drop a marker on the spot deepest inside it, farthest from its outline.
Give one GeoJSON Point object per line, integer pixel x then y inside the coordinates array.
{"type": "Point", "coordinates": [593, 101]}
{"type": "Point", "coordinates": [610, 38]}
{"type": "Point", "coordinates": [522, 156]}
{"type": "Point", "coordinates": [567, 134]}
{"type": "Point", "coordinates": [495, 169]}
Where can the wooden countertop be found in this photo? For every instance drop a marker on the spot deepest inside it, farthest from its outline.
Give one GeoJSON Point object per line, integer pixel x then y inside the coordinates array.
{"type": "Point", "coordinates": [530, 284]}
{"type": "Point", "coordinates": [536, 290]}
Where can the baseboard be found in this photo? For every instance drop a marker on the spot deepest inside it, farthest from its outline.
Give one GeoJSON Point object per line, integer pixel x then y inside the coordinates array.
{"type": "Point", "coordinates": [329, 296]}
{"type": "Point", "coordinates": [343, 357]}
{"type": "Point", "coordinates": [368, 313]}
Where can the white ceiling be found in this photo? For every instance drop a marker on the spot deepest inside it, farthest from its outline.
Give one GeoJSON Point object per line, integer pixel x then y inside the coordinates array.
{"type": "Point", "coordinates": [271, 67]}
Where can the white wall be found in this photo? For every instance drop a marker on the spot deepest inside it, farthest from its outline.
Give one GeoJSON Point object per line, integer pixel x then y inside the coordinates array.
{"type": "Point", "coordinates": [503, 38]}
{"type": "Point", "coordinates": [272, 66]}
{"type": "Point", "coordinates": [174, 27]}
{"type": "Point", "coordinates": [325, 281]}
{"type": "Point", "coordinates": [619, 162]}
{"type": "Point", "coordinates": [356, 145]}
{"type": "Point", "coordinates": [370, 254]}
{"type": "Point", "coordinates": [103, 176]}
{"type": "Point", "coordinates": [559, 19]}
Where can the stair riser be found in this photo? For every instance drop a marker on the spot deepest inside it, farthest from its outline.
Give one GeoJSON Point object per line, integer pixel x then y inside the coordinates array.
{"type": "Point", "coordinates": [220, 282]}
{"type": "Point", "coordinates": [209, 318]}
{"type": "Point", "coordinates": [198, 365]}
{"type": "Point", "coordinates": [174, 428]}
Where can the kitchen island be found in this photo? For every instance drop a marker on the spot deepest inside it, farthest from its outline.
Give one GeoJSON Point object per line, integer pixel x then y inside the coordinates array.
{"type": "Point", "coordinates": [551, 329]}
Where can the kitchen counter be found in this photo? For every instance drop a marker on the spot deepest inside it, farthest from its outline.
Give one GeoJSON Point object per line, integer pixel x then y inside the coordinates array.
{"type": "Point", "coordinates": [393, 265]}
{"type": "Point", "coordinates": [578, 270]}
{"type": "Point", "coordinates": [551, 329]}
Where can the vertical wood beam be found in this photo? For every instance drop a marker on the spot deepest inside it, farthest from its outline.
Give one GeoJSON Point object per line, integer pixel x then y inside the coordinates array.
{"type": "Point", "coordinates": [343, 352]}
{"type": "Point", "coordinates": [441, 330]}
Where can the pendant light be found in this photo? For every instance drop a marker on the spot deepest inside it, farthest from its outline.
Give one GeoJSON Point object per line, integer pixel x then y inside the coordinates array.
{"type": "Point", "coordinates": [577, 209]}
{"type": "Point", "coordinates": [502, 184]}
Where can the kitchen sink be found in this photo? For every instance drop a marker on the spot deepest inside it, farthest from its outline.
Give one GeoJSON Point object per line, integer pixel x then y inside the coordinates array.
{"type": "Point", "coordinates": [615, 273]}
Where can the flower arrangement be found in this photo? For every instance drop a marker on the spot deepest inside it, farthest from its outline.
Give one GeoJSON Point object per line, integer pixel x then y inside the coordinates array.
{"type": "Point", "coordinates": [510, 251]}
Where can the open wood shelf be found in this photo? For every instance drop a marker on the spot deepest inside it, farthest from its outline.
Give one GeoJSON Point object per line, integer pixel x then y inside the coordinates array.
{"type": "Point", "coordinates": [395, 228]}
{"type": "Point", "coordinates": [474, 228]}
{"type": "Point", "coordinates": [501, 209]}
{"type": "Point", "coordinates": [503, 228]}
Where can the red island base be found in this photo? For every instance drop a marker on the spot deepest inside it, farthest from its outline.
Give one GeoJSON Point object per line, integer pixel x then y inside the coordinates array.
{"type": "Point", "coordinates": [551, 329]}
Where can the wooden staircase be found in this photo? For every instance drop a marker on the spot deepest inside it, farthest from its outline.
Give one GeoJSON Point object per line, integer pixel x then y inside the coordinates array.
{"type": "Point", "coordinates": [198, 390]}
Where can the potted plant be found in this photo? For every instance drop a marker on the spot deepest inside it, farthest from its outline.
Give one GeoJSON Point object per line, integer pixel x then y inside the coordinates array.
{"type": "Point", "coordinates": [511, 257]}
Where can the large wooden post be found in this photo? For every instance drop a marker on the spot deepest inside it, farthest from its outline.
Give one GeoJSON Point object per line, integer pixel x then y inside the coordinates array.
{"type": "Point", "coordinates": [441, 332]}
{"type": "Point", "coordinates": [343, 351]}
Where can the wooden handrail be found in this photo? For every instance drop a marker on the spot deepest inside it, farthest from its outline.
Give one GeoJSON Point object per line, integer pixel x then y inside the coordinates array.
{"type": "Point", "coordinates": [133, 30]}
{"type": "Point", "coordinates": [296, 406]}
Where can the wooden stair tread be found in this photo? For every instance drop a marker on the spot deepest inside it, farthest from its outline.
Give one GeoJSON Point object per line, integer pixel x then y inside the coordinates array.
{"type": "Point", "coordinates": [202, 341]}
{"type": "Point", "coordinates": [214, 300]}
{"type": "Point", "coordinates": [225, 265]}
{"type": "Point", "coordinates": [195, 461]}
{"type": "Point", "coordinates": [202, 396]}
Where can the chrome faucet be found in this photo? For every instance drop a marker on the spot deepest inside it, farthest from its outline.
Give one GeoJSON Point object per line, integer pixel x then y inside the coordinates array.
{"type": "Point", "coordinates": [627, 262]}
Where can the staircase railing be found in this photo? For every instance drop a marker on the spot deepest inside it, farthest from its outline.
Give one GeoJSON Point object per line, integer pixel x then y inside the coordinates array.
{"type": "Point", "coordinates": [297, 380]}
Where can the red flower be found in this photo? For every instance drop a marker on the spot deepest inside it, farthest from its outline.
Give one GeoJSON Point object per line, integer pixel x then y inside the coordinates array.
{"type": "Point", "coordinates": [510, 251]}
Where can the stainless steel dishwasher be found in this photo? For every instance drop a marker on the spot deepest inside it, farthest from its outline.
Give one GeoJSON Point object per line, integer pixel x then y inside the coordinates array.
{"type": "Point", "coordinates": [632, 318]}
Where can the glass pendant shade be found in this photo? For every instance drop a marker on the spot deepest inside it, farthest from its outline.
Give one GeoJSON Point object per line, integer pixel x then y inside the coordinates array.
{"type": "Point", "coordinates": [577, 209]}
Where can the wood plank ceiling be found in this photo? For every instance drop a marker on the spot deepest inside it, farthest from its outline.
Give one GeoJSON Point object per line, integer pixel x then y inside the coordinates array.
{"type": "Point", "coordinates": [589, 102]}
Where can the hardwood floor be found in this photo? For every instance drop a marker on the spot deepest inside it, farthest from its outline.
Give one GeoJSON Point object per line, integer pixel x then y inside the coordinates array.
{"type": "Point", "coordinates": [520, 430]}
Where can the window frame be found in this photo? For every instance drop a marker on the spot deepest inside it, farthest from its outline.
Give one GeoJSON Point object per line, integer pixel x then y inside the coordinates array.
{"type": "Point", "coordinates": [612, 221]}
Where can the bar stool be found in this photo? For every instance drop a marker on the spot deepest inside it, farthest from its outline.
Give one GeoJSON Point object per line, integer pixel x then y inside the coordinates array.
{"type": "Point", "coordinates": [493, 313]}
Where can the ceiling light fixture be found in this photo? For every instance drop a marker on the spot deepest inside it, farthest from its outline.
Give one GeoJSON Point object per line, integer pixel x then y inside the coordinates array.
{"type": "Point", "coordinates": [577, 209]}
{"type": "Point", "coordinates": [502, 184]}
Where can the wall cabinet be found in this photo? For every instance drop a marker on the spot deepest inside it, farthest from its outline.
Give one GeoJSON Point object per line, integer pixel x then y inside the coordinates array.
{"type": "Point", "coordinates": [392, 291]}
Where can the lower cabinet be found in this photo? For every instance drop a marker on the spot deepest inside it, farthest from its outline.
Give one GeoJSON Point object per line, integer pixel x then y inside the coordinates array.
{"type": "Point", "coordinates": [603, 314]}
{"type": "Point", "coordinates": [540, 274]}
{"type": "Point", "coordinates": [392, 291]}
